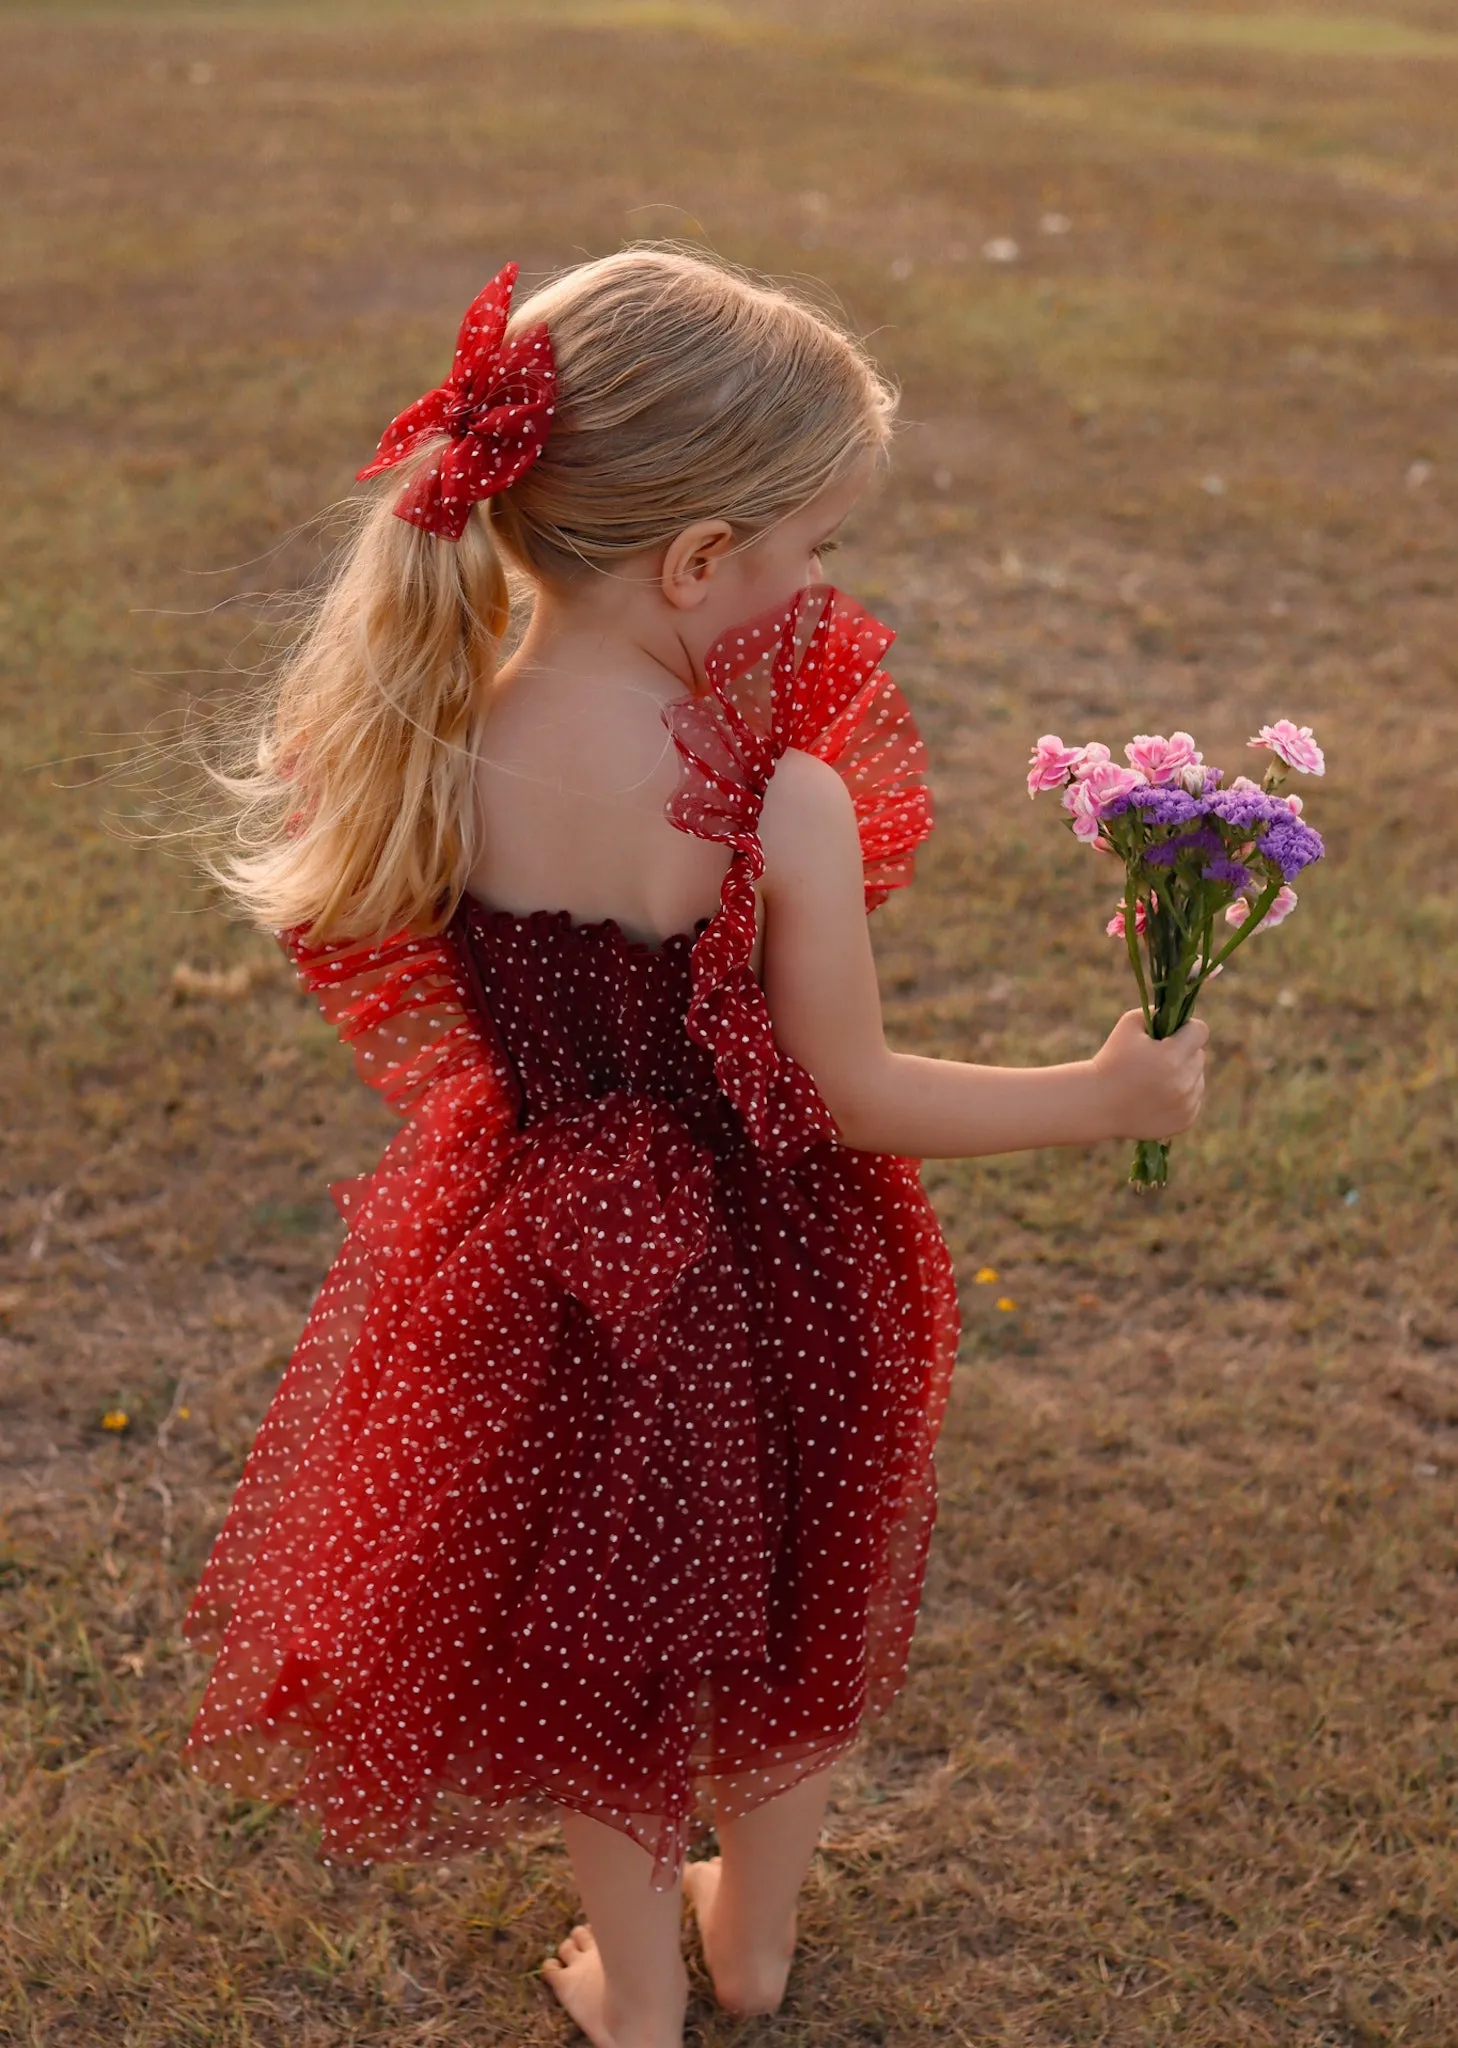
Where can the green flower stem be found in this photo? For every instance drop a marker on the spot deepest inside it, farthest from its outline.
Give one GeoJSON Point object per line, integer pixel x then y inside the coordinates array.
{"type": "Point", "coordinates": [1132, 942]}
{"type": "Point", "coordinates": [1196, 982]}
{"type": "Point", "coordinates": [1171, 1012]}
{"type": "Point", "coordinates": [1174, 910]}
{"type": "Point", "coordinates": [1161, 954]}
{"type": "Point", "coordinates": [1184, 949]}
{"type": "Point", "coordinates": [1169, 1008]}
{"type": "Point", "coordinates": [1259, 908]}
{"type": "Point", "coordinates": [1150, 1168]}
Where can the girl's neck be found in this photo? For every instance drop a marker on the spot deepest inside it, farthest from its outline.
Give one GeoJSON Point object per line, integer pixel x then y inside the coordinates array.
{"type": "Point", "coordinates": [607, 634]}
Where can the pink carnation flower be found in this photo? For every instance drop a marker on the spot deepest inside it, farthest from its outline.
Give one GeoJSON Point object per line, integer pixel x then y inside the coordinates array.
{"type": "Point", "coordinates": [1085, 799]}
{"type": "Point", "coordinates": [1106, 780]}
{"type": "Point", "coordinates": [1282, 904]}
{"type": "Point", "coordinates": [1159, 759]}
{"type": "Point", "coordinates": [1115, 925]}
{"type": "Point", "coordinates": [1090, 757]}
{"type": "Point", "coordinates": [1293, 744]}
{"type": "Point", "coordinates": [1049, 763]}
{"type": "Point", "coordinates": [1080, 806]}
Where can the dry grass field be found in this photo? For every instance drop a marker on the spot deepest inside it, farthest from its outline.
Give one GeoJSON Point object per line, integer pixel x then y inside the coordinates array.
{"type": "Point", "coordinates": [1176, 1762]}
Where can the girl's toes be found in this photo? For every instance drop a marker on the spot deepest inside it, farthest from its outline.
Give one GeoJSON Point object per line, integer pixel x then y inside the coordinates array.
{"type": "Point", "coordinates": [581, 1936]}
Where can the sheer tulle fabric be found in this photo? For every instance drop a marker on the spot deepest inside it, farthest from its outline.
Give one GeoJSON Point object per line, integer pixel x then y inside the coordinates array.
{"type": "Point", "coordinates": [602, 1473]}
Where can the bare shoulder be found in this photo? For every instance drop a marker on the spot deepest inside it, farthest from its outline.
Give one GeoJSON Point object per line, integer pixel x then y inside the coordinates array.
{"type": "Point", "coordinates": [807, 818]}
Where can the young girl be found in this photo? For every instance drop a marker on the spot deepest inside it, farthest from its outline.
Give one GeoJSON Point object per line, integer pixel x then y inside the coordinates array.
{"type": "Point", "coordinates": [600, 1484]}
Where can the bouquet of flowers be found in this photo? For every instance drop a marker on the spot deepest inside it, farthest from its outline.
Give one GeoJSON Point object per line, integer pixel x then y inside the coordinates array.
{"type": "Point", "coordinates": [1193, 852]}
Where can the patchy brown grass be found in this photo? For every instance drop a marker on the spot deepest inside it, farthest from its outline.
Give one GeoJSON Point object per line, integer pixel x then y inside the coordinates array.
{"type": "Point", "coordinates": [1176, 1759]}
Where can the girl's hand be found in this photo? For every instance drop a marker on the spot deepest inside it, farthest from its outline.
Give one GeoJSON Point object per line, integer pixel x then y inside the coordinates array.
{"type": "Point", "coordinates": [1154, 1084]}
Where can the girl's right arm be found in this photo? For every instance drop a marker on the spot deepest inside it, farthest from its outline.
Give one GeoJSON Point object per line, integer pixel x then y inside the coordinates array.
{"type": "Point", "coordinates": [825, 1004]}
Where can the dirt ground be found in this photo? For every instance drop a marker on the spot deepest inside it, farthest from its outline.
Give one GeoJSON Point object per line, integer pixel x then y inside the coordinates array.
{"type": "Point", "coordinates": [1172, 297]}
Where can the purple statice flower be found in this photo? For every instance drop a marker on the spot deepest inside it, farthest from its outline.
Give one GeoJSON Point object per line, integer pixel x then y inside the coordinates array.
{"type": "Point", "coordinates": [1168, 851]}
{"type": "Point", "coordinates": [1164, 805]}
{"type": "Point", "coordinates": [1291, 845]}
{"type": "Point", "coordinates": [1245, 808]}
{"type": "Point", "coordinates": [1222, 869]}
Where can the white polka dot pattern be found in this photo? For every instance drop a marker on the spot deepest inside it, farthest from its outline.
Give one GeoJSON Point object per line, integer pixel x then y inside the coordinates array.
{"type": "Point", "coordinates": [804, 676]}
{"type": "Point", "coordinates": [602, 1474]}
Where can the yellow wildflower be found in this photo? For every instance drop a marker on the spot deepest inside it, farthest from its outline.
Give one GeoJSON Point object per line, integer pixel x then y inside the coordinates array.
{"type": "Point", "coordinates": [115, 1418]}
{"type": "Point", "coordinates": [984, 1276]}
{"type": "Point", "coordinates": [1006, 1301]}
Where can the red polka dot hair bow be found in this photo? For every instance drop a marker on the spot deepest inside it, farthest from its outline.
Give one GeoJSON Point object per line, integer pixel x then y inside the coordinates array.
{"type": "Point", "coordinates": [495, 405]}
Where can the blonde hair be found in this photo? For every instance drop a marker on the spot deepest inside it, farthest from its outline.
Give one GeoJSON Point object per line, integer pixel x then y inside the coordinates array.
{"type": "Point", "coordinates": [688, 388]}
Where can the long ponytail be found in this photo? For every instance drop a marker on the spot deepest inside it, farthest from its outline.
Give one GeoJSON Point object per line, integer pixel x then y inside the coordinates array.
{"type": "Point", "coordinates": [355, 814]}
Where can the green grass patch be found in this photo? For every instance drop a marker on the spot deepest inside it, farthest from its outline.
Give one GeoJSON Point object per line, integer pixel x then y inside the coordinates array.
{"type": "Point", "coordinates": [1284, 32]}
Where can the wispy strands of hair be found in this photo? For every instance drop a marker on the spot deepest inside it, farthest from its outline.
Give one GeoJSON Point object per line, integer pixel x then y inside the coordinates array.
{"type": "Point", "coordinates": [353, 815]}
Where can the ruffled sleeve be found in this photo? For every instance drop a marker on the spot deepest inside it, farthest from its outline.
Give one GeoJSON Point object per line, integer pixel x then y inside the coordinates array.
{"type": "Point", "coordinates": [406, 1008]}
{"type": "Point", "coordinates": [806, 675]}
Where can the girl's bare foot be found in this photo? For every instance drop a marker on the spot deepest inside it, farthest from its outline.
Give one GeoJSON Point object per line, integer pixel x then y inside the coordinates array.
{"type": "Point", "coordinates": [576, 1976]}
{"type": "Point", "coordinates": [749, 1975]}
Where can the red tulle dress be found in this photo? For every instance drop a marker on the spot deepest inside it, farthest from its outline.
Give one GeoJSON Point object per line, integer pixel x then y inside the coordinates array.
{"type": "Point", "coordinates": [602, 1473]}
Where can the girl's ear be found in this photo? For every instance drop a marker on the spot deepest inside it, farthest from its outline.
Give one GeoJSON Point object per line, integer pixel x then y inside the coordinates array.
{"type": "Point", "coordinates": [690, 559]}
